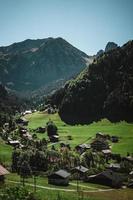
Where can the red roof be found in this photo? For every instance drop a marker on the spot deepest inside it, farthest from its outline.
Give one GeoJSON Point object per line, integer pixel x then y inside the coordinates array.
{"type": "Point", "coordinates": [3, 171]}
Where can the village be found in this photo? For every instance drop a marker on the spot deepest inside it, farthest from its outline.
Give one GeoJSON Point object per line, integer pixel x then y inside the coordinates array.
{"type": "Point", "coordinates": [54, 158]}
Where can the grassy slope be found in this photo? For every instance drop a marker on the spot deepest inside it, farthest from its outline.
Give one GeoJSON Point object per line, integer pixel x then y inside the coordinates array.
{"type": "Point", "coordinates": [85, 133]}
{"type": "Point", "coordinates": [5, 153]}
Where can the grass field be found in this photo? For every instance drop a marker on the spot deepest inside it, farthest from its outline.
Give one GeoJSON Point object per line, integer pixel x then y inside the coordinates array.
{"type": "Point", "coordinates": [85, 133]}
{"type": "Point", "coordinates": [89, 192]}
{"type": "Point", "coordinates": [5, 153]}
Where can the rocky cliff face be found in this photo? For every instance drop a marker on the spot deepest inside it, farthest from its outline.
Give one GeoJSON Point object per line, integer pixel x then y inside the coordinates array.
{"type": "Point", "coordinates": [31, 64]}
{"type": "Point", "coordinates": [102, 90]}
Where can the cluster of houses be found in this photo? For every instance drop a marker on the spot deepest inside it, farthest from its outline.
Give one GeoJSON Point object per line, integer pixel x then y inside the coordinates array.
{"type": "Point", "coordinates": [112, 176]}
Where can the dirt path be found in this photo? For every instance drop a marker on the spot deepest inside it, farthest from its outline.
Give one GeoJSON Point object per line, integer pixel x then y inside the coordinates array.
{"type": "Point", "coordinates": [65, 190]}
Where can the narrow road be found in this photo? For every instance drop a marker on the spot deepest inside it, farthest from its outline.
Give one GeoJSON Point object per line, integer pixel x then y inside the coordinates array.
{"type": "Point", "coordinates": [64, 190]}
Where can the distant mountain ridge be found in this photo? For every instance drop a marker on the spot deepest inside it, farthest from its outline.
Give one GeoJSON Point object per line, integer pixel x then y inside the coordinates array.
{"type": "Point", "coordinates": [29, 65]}
{"type": "Point", "coordinates": [109, 46]}
{"type": "Point", "coordinates": [103, 90]}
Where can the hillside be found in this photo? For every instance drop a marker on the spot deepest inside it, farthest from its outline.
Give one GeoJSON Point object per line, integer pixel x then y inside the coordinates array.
{"type": "Point", "coordinates": [104, 90]}
{"type": "Point", "coordinates": [9, 105]}
{"type": "Point", "coordinates": [33, 64]}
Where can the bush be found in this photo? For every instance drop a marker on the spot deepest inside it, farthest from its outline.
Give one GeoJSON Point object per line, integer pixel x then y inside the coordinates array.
{"type": "Point", "coordinates": [18, 193]}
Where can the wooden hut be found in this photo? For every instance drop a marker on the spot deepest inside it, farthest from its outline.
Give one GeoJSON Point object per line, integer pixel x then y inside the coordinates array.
{"type": "Point", "coordinates": [3, 172]}
{"type": "Point", "coordinates": [60, 177]}
{"type": "Point", "coordinates": [82, 147]}
{"type": "Point", "coordinates": [108, 178]}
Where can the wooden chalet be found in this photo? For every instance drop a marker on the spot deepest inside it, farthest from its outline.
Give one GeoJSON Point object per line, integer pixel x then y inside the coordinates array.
{"type": "Point", "coordinates": [128, 159]}
{"type": "Point", "coordinates": [41, 130]}
{"type": "Point", "coordinates": [54, 138]}
{"type": "Point", "coordinates": [14, 143]}
{"type": "Point", "coordinates": [60, 177]}
{"type": "Point", "coordinates": [114, 139]}
{"type": "Point", "coordinates": [82, 147]}
{"type": "Point", "coordinates": [108, 178]}
{"type": "Point", "coordinates": [99, 144]}
{"type": "Point", "coordinates": [3, 172]}
{"type": "Point", "coordinates": [22, 121]}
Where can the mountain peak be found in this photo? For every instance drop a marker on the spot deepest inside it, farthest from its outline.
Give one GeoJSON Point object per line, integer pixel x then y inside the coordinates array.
{"type": "Point", "coordinates": [110, 46]}
{"type": "Point", "coordinates": [31, 64]}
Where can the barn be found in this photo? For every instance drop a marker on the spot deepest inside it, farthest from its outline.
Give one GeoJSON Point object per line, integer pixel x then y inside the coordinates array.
{"type": "Point", "coordinates": [108, 178]}
{"type": "Point", "coordinates": [60, 177]}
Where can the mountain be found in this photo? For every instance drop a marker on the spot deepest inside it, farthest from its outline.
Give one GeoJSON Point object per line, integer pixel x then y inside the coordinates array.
{"type": "Point", "coordinates": [110, 46]}
{"type": "Point", "coordinates": [29, 65]}
{"type": "Point", "coordinates": [103, 90]}
{"type": "Point", "coordinates": [10, 104]}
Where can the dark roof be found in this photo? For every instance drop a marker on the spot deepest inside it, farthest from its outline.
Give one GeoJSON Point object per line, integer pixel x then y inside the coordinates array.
{"type": "Point", "coordinates": [3, 171]}
{"type": "Point", "coordinates": [108, 174]}
{"type": "Point", "coordinates": [62, 173]}
{"type": "Point", "coordinates": [81, 168]}
{"type": "Point", "coordinates": [129, 158]}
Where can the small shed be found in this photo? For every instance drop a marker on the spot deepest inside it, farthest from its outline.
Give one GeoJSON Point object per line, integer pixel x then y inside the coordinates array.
{"type": "Point", "coordinates": [114, 139]}
{"type": "Point", "coordinates": [60, 177]}
{"type": "Point", "coordinates": [41, 129]}
{"type": "Point", "coordinates": [3, 172]}
{"type": "Point", "coordinates": [108, 178]}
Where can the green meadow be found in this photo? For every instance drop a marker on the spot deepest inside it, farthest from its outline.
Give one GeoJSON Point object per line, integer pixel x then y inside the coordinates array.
{"type": "Point", "coordinates": [85, 133]}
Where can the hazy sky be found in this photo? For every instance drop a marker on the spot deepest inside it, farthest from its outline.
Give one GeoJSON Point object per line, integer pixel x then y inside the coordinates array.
{"type": "Point", "coordinates": [87, 24]}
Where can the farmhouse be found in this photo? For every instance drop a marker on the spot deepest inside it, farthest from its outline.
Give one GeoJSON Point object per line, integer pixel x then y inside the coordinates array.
{"type": "Point", "coordinates": [99, 144]}
{"type": "Point", "coordinates": [60, 177]}
{"type": "Point", "coordinates": [128, 159]}
{"type": "Point", "coordinates": [82, 147]}
{"type": "Point", "coordinates": [108, 178]}
{"type": "Point", "coordinates": [22, 121]}
{"type": "Point", "coordinates": [3, 172]}
{"type": "Point", "coordinates": [14, 143]}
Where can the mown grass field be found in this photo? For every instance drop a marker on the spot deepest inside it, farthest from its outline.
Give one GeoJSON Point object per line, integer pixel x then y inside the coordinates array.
{"type": "Point", "coordinates": [85, 133]}
{"type": "Point", "coordinates": [90, 192]}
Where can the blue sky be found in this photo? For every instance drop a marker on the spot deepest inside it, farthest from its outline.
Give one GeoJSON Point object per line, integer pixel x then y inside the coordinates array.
{"type": "Point", "coordinates": [87, 24]}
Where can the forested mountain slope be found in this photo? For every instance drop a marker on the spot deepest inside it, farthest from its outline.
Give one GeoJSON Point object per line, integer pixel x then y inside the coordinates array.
{"type": "Point", "coordinates": [104, 89]}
